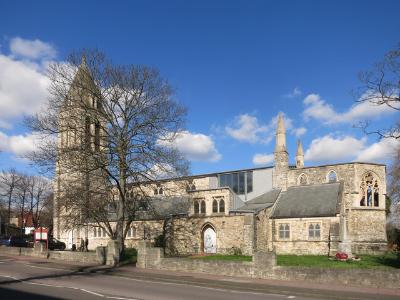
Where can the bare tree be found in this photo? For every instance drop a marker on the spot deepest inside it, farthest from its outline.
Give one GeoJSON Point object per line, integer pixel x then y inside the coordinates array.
{"type": "Point", "coordinates": [40, 189]}
{"type": "Point", "coordinates": [381, 86]}
{"type": "Point", "coordinates": [106, 131]}
{"type": "Point", "coordinates": [22, 193]}
{"type": "Point", "coordinates": [9, 181]}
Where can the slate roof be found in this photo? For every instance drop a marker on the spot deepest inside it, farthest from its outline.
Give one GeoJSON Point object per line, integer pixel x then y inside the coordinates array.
{"type": "Point", "coordinates": [317, 200]}
{"type": "Point", "coordinates": [161, 208]}
{"type": "Point", "coordinates": [259, 203]}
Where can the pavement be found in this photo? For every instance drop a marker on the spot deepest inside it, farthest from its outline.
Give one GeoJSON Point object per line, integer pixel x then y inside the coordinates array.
{"type": "Point", "coordinates": [34, 278]}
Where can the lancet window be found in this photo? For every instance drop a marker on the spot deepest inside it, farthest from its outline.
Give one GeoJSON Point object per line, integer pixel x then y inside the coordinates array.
{"type": "Point", "coordinates": [369, 190]}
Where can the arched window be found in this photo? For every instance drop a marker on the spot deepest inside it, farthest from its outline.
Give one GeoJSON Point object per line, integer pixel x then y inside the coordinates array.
{"type": "Point", "coordinates": [95, 232]}
{"type": "Point", "coordinates": [221, 206]}
{"type": "Point", "coordinates": [99, 232]}
{"type": "Point", "coordinates": [203, 207]}
{"type": "Point", "coordinates": [196, 207]}
{"type": "Point", "coordinates": [133, 229]}
{"type": "Point", "coordinates": [303, 179]}
{"type": "Point", "coordinates": [87, 131]}
{"type": "Point", "coordinates": [314, 231]}
{"type": "Point", "coordinates": [158, 190]}
{"type": "Point", "coordinates": [332, 177]}
{"type": "Point", "coordinates": [369, 190]}
{"type": "Point", "coordinates": [215, 206]}
{"type": "Point", "coordinates": [97, 136]}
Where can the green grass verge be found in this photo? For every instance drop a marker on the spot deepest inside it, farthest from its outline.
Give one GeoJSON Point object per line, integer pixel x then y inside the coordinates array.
{"type": "Point", "coordinates": [223, 257]}
{"type": "Point", "coordinates": [321, 261]}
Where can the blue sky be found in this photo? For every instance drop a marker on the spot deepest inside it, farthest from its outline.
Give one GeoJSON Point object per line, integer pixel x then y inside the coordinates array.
{"type": "Point", "coordinates": [234, 64]}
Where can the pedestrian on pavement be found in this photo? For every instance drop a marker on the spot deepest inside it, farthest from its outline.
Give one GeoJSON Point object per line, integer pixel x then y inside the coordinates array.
{"type": "Point", "coordinates": [82, 247]}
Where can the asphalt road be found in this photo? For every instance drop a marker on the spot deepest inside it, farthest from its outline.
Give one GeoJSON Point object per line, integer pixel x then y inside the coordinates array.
{"type": "Point", "coordinates": [34, 279]}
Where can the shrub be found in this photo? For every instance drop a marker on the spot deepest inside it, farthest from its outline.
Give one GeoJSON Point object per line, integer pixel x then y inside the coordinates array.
{"type": "Point", "coordinates": [159, 241]}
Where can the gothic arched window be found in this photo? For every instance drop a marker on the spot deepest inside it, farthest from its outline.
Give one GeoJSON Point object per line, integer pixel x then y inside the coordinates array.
{"type": "Point", "coordinates": [203, 207]}
{"type": "Point", "coordinates": [369, 190]}
{"type": "Point", "coordinates": [332, 177]}
{"type": "Point", "coordinates": [196, 207]}
{"type": "Point", "coordinates": [215, 206]}
{"type": "Point", "coordinates": [303, 179]}
{"type": "Point", "coordinates": [222, 206]}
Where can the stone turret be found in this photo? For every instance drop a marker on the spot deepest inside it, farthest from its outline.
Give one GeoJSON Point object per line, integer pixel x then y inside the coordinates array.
{"type": "Point", "coordinates": [281, 156]}
{"type": "Point", "coordinates": [299, 155]}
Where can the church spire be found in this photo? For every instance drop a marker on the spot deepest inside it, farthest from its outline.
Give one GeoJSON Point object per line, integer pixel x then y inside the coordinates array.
{"type": "Point", "coordinates": [281, 156]}
{"type": "Point", "coordinates": [280, 144]}
{"type": "Point", "coordinates": [299, 155]}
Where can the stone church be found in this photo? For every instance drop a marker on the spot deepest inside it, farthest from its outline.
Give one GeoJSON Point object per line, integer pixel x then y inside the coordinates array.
{"type": "Point", "coordinates": [287, 208]}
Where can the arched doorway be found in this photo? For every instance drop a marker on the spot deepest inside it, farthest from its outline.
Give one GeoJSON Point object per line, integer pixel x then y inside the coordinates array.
{"type": "Point", "coordinates": [209, 239]}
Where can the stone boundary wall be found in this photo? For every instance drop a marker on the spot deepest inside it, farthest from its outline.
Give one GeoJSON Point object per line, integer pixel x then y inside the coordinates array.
{"type": "Point", "coordinates": [264, 266]}
{"type": "Point", "coordinates": [84, 257]}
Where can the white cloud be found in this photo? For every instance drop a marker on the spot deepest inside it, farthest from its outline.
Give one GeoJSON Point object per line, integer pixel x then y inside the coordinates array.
{"type": "Point", "coordinates": [195, 146]}
{"type": "Point", "coordinates": [347, 148]}
{"type": "Point", "coordinates": [263, 159]}
{"type": "Point", "coordinates": [32, 49]}
{"type": "Point", "coordinates": [19, 145]}
{"type": "Point", "coordinates": [329, 148]}
{"type": "Point", "coordinates": [296, 92]}
{"type": "Point", "coordinates": [317, 108]}
{"type": "Point", "coordinates": [247, 128]}
{"type": "Point", "coordinates": [23, 87]}
{"type": "Point", "coordinates": [298, 132]}
{"type": "Point", "coordinates": [379, 151]}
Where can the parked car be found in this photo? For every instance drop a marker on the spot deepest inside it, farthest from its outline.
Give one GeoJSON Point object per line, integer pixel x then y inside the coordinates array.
{"type": "Point", "coordinates": [15, 241]}
{"type": "Point", "coordinates": [55, 244]}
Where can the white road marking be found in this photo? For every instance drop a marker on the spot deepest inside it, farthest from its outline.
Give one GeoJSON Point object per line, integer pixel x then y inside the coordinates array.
{"type": "Point", "coordinates": [54, 286]}
{"type": "Point", "coordinates": [188, 283]}
{"type": "Point", "coordinates": [45, 268]}
{"type": "Point", "coordinates": [93, 293]}
{"type": "Point", "coordinates": [121, 298]}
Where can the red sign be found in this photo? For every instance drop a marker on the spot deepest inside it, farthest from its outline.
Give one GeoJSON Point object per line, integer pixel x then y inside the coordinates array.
{"type": "Point", "coordinates": [41, 235]}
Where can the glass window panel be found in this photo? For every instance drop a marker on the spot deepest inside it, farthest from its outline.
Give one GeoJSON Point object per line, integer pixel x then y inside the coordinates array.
{"type": "Point", "coordinates": [249, 181]}
{"type": "Point", "coordinates": [222, 180]}
{"type": "Point", "coordinates": [235, 182]}
{"type": "Point", "coordinates": [241, 183]}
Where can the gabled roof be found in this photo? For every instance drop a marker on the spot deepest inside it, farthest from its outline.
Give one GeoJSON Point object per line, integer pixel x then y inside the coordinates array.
{"type": "Point", "coordinates": [159, 208]}
{"type": "Point", "coordinates": [259, 203]}
{"type": "Point", "coordinates": [317, 200]}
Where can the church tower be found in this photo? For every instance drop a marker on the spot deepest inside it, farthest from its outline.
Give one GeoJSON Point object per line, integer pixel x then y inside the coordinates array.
{"type": "Point", "coordinates": [281, 156]}
{"type": "Point", "coordinates": [79, 139]}
{"type": "Point", "coordinates": [299, 155]}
